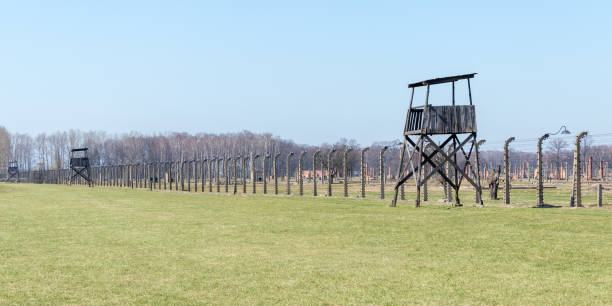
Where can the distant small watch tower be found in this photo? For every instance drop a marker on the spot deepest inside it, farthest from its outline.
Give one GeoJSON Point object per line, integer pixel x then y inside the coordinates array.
{"type": "Point", "coordinates": [457, 125]}
{"type": "Point", "coordinates": [13, 171]}
{"type": "Point", "coordinates": [79, 164]}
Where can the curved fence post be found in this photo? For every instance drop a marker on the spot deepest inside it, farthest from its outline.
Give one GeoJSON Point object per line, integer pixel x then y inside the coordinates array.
{"type": "Point", "coordinates": [476, 173]}
{"type": "Point", "coordinates": [227, 170]}
{"type": "Point", "coordinates": [220, 162]}
{"type": "Point", "coordinates": [210, 173]}
{"type": "Point", "coordinates": [264, 172]}
{"type": "Point", "coordinates": [165, 175]}
{"type": "Point", "coordinates": [576, 188]}
{"type": "Point", "coordinates": [203, 173]}
{"type": "Point", "coordinates": [244, 173]}
{"type": "Point", "coordinates": [177, 174]}
{"type": "Point", "coordinates": [329, 175]}
{"type": "Point", "coordinates": [362, 171]}
{"type": "Point", "coordinates": [275, 169]}
{"type": "Point", "coordinates": [314, 172]}
{"type": "Point", "coordinates": [288, 170]}
{"type": "Point", "coordinates": [507, 170]}
{"type": "Point", "coordinates": [189, 174]}
{"type": "Point", "coordinates": [159, 174]}
{"type": "Point", "coordinates": [150, 176]}
{"type": "Point", "coordinates": [301, 173]}
{"type": "Point", "coordinates": [345, 170]}
{"type": "Point", "coordinates": [236, 159]}
{"type": "Point", "coordinates": [195, 174]}
{"type": "Point", "coordinates": [381, 164]}
{"type": "Point", "coordinates": [540, 171]}
{"type": "Point", "coordinates": [253, 172]}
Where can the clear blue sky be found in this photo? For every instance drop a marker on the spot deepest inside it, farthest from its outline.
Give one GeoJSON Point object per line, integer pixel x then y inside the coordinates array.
{"type": "Point", "coordinates": [312, 71]}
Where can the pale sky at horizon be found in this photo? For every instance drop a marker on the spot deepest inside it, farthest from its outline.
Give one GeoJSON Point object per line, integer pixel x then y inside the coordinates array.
{"type": "Point", "coordinates": [312, 73]}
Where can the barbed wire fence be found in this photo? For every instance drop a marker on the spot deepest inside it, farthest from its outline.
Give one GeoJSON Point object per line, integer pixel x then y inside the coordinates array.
{"type": "Point", "coordinates": [583, 175]}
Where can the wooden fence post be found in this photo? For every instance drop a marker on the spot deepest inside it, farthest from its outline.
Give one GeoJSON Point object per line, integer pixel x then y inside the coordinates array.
{"type": "Point", "coordinates": [599, 194]}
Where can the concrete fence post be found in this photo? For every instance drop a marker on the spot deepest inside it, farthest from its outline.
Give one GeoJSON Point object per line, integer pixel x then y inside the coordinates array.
{"type": "Point", "coordinates": [381, 163]}
{"type": "Point", "coordinates": [275, 171]}
{"type": "Point", "coordinates": [301, 172]}
{"type": "Point", "coordinates": [220, 172]}
{"type": "Point", "coordinates": [189, 174]}
{"type": "Point", "coordinates": [203, 173]}
{"type": "Point", "coordinates": [235, 176]}
{"type": "Point", "coordinates": [402, 188]}
{"type": "Point", "coordinates": [576, 197]}
{"type": "Point", "coordinates": [227, 169]}
{"type": "Point", "coordinates": [166, 175]}
{"type": "Point", "coordinates": [211, 163]}
{"type": "Point", "coordinates": [448, 187]}
{"type": "Point", "coordinates": [150, 176]}
{"type": "Point", "coordinates": [243, 172]}
{"type": "Point", "coordinates": [345, 170]}
{"type": "Point", "coordinates": [314, 172]}
{"type": "Point", "coordinates": [425, 189]}
{"type": "Point", "coordinates": [507, 171]}
{"type": "Point", "coordinates": [329, 169]}
{"type": "Point", "coordinates": [362, 172]}
{"type": "Point", "coordinates": [540, 170]}
{"type": "Point", "coordinates": [264, 172]}
{"type": "Point", "coordinates": [195, 175]}
{"type": "Point", "coordinates": [253, 172]}
{"type": "Point", "coordinates": [288, 171]}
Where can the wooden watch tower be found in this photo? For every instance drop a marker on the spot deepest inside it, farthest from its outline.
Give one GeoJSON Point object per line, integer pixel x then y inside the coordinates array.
{"type": "Point", "coordinates": [13, 171]}
{"type": "Point", "coordinates": [79, 164]}
{"type": "Point", "coordinates": [455, 128]}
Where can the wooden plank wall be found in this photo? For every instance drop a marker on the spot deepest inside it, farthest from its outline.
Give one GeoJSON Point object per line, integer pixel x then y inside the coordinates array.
{"type": "Point", "coordinates": [446, 119]}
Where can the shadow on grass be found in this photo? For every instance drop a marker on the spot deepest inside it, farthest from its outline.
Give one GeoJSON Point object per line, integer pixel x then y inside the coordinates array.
{"type": "Point", "coordinates": [546, 206]}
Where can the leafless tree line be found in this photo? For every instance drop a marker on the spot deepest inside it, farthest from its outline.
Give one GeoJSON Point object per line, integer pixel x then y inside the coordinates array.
{"type": "Point", "coordinates": [52, 151]}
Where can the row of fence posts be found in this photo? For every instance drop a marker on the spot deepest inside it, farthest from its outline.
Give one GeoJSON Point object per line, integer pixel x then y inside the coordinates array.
{"type": "Point", "coordinates": [575, 199]}
{"type": "Point", "coordinates": [168, 175]}
{"type": "Point", "coordinates": [151, 175]}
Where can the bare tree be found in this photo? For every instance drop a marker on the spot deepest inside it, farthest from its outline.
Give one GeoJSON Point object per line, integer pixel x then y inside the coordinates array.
{"type": "Point", "coordinates": [557, 148]}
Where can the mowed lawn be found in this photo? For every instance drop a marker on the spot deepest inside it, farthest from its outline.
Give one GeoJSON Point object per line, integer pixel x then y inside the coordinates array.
{"type": "Point", "coordinates": [82, 245]}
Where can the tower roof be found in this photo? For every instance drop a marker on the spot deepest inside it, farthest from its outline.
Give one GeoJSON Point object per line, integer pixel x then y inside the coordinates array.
{"type": "Point", "coordinates": [442, 80]}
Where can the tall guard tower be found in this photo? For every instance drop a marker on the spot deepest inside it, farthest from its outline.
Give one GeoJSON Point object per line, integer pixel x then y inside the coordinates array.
{"type": "Point", "coordinates": [79, 164]}
{"type": "Point", "coordinates": [13, 171]}
{"type": "Point", "coordinates": [455, 126]}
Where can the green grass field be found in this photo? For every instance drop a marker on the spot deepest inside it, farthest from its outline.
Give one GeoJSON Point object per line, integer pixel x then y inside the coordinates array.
{"type": "Point", "coordinates": [79, 245]}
